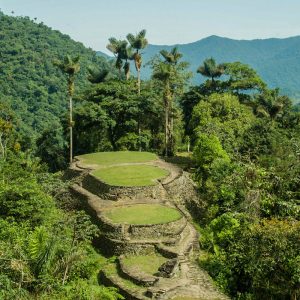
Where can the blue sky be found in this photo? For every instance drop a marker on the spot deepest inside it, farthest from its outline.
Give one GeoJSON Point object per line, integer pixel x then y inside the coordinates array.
{"type": "Point", "coordinates": [167, 21]}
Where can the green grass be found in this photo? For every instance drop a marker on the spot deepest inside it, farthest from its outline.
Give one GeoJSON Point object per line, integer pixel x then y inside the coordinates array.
{"type": "Point", "coordinates": [111, 269]}
{"type": "Point", "coordinates": [146, 263]}
{"type": "Point", "coordinates": [111, 158]}
{"type": "Point", "coordinates": [140, 214]}
{"type": "Point", "coordinates": [131, 175]}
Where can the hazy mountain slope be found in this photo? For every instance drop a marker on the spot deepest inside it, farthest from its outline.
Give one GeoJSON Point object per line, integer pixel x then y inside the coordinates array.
{"type": "Point", "coordinates": [276, 60]}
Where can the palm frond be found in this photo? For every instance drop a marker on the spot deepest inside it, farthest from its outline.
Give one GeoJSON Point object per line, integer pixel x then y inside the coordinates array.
{"type": "Point", "coordinates": [97, 76]}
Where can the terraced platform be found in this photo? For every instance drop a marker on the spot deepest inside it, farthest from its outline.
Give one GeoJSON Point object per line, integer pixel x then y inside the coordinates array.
{"type": "Point", "coordinates": [145, 226]}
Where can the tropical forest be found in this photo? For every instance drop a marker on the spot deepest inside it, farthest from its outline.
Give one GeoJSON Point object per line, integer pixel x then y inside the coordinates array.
{"type": "Point", "coordinates": [117, 184]}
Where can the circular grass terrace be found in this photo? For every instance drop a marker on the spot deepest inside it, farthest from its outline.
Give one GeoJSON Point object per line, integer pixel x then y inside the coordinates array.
{"type": "Point", "coordinates": [118, 157]}
{"type": "Point", "coordinates": [130, 175]}
{"type": "Point", "coordinates": [143, 214]}
{"type": "Point", "coordinates": [148, 264]}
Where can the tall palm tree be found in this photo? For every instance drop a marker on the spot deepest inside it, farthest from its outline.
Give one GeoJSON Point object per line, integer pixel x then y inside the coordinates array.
{"type": "Point", "coordinates": [70, 66]}
{"type": "Point", "coordinates": [127, 55]}
{"type": "Point", "coordinates": [121, 52]}
{"type": "Point", "coordinates": [115, 47]}
{"type": "Point", "coordinates": [171, 59]}
{"type": "Point", "coordinates": [211, 69]}
{"type": "Point", "coordinates": [163, 73]}
{"type": "Point", "coordinates": [138, 42]}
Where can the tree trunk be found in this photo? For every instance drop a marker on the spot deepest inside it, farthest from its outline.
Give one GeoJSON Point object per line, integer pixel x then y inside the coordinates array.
{"type": "Point", "coordinates": [71, 128]}
{"type": "Point", "coordinates": [167, 121]}
{"type": "Point", "coordinates": [2, 146]}
{"type": "Point", "coordinates": [139, 94]}
{"type": "Point", "coordinates": [166, 127]}
{"type": "Point", "coordinates": [139, 81]}
{"type": "Point", "coordinates": [171, 139]}
{"type": "Point", "coordinates": [65, 274]}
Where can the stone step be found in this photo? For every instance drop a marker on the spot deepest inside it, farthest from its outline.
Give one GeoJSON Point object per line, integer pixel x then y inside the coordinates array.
{"type": "Point", "coordinates": [93, 200]}
{"type": "Point", "coordinates": [186, 243]}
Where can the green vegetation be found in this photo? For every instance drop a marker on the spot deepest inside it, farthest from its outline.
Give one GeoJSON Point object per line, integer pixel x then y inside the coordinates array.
{"type": "Point", "coordinates": [29, 81]}
{"type": "Point", "coordinates": [245, 140]}
{"type": "Point", "coordinates": [171, 76]}
{"type": "Point", "coordinates": [132, 175]}
{"type": "Point", "coordinates": [246, 153]}
{"type": "Point", "coordinates": [145, 263]}
{"type": "Point", "coordinates": [45, 251]}
{"type": "Point", "coordinates": [119, 157]}
{"type": "Point", "coordinates": [70, 66]}
{"type": "Point", "coordinates": [274, 59]}
{"type": "Point", "coordinates": [141, 214]}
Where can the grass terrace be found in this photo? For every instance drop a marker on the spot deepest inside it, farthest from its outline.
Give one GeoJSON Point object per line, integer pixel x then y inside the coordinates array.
{"type": "Point", "coordinates": [119, 157]}
{"type": "Point", "coordinates": [141, 214]}
{"type": "Point", "coordinates": [130, 175]}
{"type": "Point", "coordinates": [148, 264]}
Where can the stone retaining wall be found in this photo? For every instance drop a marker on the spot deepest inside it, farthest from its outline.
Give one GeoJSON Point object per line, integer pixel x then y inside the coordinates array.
{"type": "Point", "coordinates": [107, 280]}
{"type": "Point", "coordinates": [112, 247]}
{"type": "Point", "coordinates": [165, 252]}
{"type": "Point", "coordinates": [137, 277]}
{"type": "Point", "coordinates": [171, 229]}
{"type": "Point", "coordinates": [141, 232]}
{"type": "Point", "coordinates": [96, 186]}
{"type": "Point", "coordinates": [83, 202]}
{"type": "Point", "coordinates": [106, 191]}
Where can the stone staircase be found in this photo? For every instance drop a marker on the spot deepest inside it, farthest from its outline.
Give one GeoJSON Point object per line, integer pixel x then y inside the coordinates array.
{"type": "Point", "coordinates": [186, 278]}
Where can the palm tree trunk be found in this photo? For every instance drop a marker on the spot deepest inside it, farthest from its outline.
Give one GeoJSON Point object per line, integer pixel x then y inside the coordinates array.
{"type": "Point", "coordinates": [167, 108]}
{"type": "Point", "coordinates": [139, 122]}
{"type": "Point", "coordinates": [166, 127]}
{"type": "Point", "coordinates": [171, 128]}
{"type": "Point", "coordinates": [139, 81]}
{"type": "Point", "coordinates": [71, 128]}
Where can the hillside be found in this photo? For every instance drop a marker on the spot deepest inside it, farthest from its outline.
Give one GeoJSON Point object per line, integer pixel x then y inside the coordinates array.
{"type": "Point", "coordinates": [29, 82]}
{"type": "Point", "coordinates": [277, 61]}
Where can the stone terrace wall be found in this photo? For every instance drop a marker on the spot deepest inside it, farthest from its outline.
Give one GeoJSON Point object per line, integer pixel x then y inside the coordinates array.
{"type": "Point", "coordinates": [111, 247]}
{"type": "Point", "coordinates": [141, 232]}
{"type": "Point", "coordinates": [105, 191]}
{"type": "Point", "coordinates": [171, 229]}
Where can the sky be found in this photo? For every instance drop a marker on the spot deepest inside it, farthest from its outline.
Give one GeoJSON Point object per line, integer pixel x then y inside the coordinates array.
{"type": "Point", "coordinates": [167, 22]}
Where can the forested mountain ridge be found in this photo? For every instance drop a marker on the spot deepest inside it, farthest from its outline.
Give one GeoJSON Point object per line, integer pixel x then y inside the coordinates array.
{"type": "Point", "coordinates": [277, 61]}
{"type": "Point", "coordinates": [243, 154]}
{"type": "Point", "coordinates": [30, 83]}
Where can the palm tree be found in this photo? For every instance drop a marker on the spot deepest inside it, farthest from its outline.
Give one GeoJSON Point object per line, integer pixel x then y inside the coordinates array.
{"type": "Point", "coordinates": [115, 46]}
{"type": "Point", "coordinates": [211, 69]}
{"type": "Point", "coordinates": [171, 59]}
{"type": "Point", "coordinates": [163, 73]}
{"type": "Point", "coordinates": [138, 42]}
{"type": "Point", "coordinates": [97, 76]}
{"type": "Point", "coordinates": [70, 66]}
{"type": "Point", "coordinates": [127, 55]}
{"type": "Point", "coordinates": [270, 104]}
{"type": "Point", "coordinates": [122, 52]}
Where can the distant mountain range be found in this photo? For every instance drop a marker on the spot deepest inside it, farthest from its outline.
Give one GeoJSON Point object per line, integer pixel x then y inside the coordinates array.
{"type": "Point", "coordinates": [277, 61]}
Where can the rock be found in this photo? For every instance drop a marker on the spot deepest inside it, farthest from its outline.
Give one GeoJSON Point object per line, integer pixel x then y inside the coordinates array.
{"type": "Point", "coordinates": [166, 270]}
